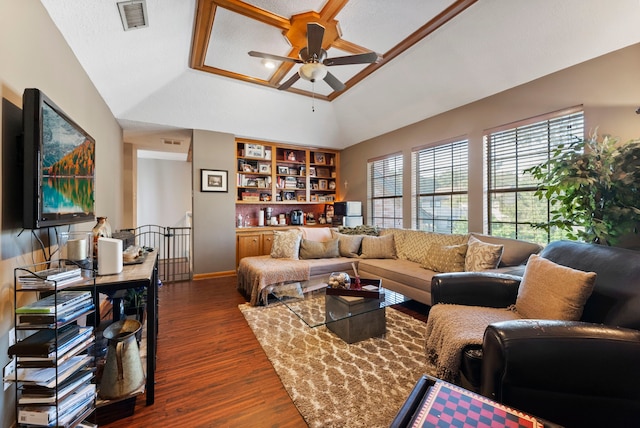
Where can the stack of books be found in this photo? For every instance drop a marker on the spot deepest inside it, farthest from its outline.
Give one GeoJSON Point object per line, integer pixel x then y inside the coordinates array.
{"type": "Point", "coordinates": [49, 279]}
{"type": "Point", "coordinates": [55, 310]}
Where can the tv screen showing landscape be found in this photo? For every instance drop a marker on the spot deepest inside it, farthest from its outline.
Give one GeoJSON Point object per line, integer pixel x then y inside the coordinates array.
{"type": "Point", "coordinates": [67, 166]}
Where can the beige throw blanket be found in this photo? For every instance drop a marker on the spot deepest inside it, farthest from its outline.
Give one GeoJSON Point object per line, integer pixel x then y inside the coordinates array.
{"type": "Point", "coordinates": [255, 274]}
{"type": "Point", "coordinates": [451, 328]}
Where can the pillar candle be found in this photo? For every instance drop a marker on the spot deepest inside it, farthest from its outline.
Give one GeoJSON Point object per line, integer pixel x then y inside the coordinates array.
{"type": "Point", "coordinates": [77, 249]}
{"type": "Point", "coordinates": [261, 218]}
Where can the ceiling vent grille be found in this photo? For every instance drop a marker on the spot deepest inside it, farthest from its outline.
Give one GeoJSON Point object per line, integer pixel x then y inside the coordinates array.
{"type": "Point", "coordinates": [172, 142]}
{"type": "Point", "coordinates": [133, 14]}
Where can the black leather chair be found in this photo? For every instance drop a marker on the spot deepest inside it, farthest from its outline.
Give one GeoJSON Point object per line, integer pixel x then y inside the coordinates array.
{"type": "Point", "coordinates": [583, 373]}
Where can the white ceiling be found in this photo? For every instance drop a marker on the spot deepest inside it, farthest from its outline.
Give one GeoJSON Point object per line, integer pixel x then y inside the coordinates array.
{"type": "Point", "coordinates": [145, 78]}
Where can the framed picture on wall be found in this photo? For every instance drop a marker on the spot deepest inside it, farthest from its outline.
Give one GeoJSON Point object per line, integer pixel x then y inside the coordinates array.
{"type": "Point", "coordinates": [214, 180]}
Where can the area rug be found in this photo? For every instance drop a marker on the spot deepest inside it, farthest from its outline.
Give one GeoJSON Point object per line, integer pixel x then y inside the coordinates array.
{"type": "Point", "coordinates": [334, 384]}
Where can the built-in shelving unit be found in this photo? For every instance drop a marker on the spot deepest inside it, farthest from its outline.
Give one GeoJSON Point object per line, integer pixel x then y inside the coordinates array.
{"type": "Point", "coordinates": [281, 174]}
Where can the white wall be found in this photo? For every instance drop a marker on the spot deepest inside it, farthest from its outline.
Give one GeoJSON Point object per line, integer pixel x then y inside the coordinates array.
{"type": "Point", "coordinates": [34, 54]}
{"type": "Point", "coordinates": [164, 192]}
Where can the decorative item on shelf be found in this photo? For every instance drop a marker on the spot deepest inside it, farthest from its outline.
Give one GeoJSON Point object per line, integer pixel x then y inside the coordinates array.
{"type": "Point", "coordinates": [329, 213]}
{"type": "Point", "coordinates": [322, 219]}
{"type": "Point", "coordinates": [76, 246]}
{"type": "Point", "coordinates": [254, 151]}
{"type": "Point", "coordinates": [291, 156]}
{"type": "Point", "coordinates": [123, 373]}
{"type": "Point", "coordinates": [311, 219]}
{"type": "Point", "coordinates": [340, 280]}
{"type": "Point", "coordinates": [102, 229]}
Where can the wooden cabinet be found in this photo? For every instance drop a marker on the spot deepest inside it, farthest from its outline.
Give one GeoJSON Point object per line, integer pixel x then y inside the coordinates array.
{"type": "Point", "coordinates": [253, 242]}
{"type": "Point", "coordinates": [274, 173]}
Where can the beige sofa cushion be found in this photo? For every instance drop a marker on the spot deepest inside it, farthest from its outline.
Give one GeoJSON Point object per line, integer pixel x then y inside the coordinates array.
{"type": "Point", "coordinates": [515, 252]}
{"type": "Point", "coordinates": [286, 244]}
{"type": "Point", "coordinates": [551, 291]}
{"type": "Point", "coordinates": [445, 258]}
{"type": "Point", "coordinates": [319, 250]}
{"type": "Point", "coordinates": [320, 234]}
{"type": "Point", "coordinates": [398, 270]}
{"type": "Point", "coordinates": [482, 255]}
{"type": "Point", "coordinates": [348, 245]}
{"type": "Point", "coordinates": [413, 245]}
{"type": "Point", "coordinates": [378, 247]}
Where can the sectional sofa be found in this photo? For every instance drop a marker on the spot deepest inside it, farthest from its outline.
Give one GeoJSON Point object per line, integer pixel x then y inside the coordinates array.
{"type": "Point", "coordinates": [404, 259]}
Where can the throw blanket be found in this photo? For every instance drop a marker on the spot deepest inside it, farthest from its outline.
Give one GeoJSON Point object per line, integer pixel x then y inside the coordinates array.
{"type": "Point", "coordinates": [451, 328]}
{"type": "Point", "coordinates": [255, 274]}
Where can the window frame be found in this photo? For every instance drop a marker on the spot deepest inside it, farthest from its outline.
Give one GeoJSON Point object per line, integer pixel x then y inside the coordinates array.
{"type": "Point", "coordinates": [459, 186]}
{"type": "Point", "coordinates": [517, 227]}
{"type": "Point", "coordinates": [394, 200]}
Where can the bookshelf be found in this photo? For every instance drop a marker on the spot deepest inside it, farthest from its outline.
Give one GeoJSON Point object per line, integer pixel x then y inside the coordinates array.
{"type": "Point", "coordinates": [54, 376]}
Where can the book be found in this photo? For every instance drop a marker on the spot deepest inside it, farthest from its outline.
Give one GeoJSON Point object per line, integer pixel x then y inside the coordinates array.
{"type": "Point", "coordinates": [44, 342]}
{"type": "Point", "coordinates": [39, 395]}
{"type": "Point", "coordinates": [53, 274]}
{"type": "Point", "coordinates": [53, 320]}
{"type": "Point", "coordinates": [50, 285]}
{"type": "Point", "coordinates": [83, 340]}
{"type": "Point", "coordinates": [54, 302]}
{"type": "Point", "coordinates": [65, 409]}
{"type": "Point", "coordinates": [47, 376]}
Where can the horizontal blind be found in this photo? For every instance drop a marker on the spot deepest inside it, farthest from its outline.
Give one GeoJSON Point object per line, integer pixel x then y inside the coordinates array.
{"type": "Point", "coordinates": [441, 187]}
{"type": "Point", "coordinates": [385, 191]}
{"type": "Point", "coordinates": [512, 207]}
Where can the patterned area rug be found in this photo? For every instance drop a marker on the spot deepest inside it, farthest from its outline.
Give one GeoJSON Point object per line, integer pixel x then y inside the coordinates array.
{"type": "Point", "coordinates": [334, 384]}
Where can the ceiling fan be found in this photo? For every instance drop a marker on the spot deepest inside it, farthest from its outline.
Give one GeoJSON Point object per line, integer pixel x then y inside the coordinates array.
{"type": "Point", "coordinates": [315, 62]}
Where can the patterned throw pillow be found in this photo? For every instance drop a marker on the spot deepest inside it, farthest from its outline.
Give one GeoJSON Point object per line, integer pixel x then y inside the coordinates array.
{"type": "Point", "coordinates": [319, 250]}
{"type": "Point", "coordinates": [553, 292]}
{"type": "Point", "coordinates": [286, 244]}
{"type": "Point", "coordinates": [447, 258]}
{"type": "Point", "coordinates": [359, 230]}
{"type": "Point", "coordinates": [348, 245]}
{"type": "Point", "coordinates": [378, 247]}
{"type": "Point", "coordinates": [481, 255]}
{"type": "Point", "coordinates": [413, 245]}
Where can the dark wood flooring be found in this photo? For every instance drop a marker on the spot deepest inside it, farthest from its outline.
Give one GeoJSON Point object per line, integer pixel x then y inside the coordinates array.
{"type": "Point", "coordinates": [211, 370]}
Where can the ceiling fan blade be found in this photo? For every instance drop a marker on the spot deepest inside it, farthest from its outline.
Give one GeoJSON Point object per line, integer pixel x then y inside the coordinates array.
{"type": "Point", "coordinates": [315, 34]}
{"type": "Point", "coordinates": [293, 79]}
{"type": "Point", "coordinates": [334, 82]}
{"type": "Point", "coordinates": [365, 58]}
{"type": "Point", "coordinates": [273, 57]}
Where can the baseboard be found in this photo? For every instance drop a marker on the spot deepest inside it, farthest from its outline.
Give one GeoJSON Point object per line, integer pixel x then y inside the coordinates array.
{"type": "Point", "coordinates": [222, 274]}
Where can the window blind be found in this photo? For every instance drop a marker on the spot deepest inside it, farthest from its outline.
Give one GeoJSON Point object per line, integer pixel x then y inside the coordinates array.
{"type": "Point", "coordinates": [385, 191]}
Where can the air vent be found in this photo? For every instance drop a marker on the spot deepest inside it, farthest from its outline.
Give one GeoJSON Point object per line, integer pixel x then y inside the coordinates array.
{"type": "Point", "coordinates": [133, 14]}
{"type": "Point", "coordinates": [172, 142]}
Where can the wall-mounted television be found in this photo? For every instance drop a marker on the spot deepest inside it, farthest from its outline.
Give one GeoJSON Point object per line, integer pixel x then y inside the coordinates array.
{"type": "Point", "coordinates": [59, 165]}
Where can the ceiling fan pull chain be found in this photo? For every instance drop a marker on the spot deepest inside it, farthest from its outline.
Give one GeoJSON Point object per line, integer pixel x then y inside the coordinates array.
{"type": "Point", "coordinates": [313, 97]}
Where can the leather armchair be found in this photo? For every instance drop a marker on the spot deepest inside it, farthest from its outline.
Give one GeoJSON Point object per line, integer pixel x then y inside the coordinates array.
{"type": "Point", "coordinates": [582, 373]}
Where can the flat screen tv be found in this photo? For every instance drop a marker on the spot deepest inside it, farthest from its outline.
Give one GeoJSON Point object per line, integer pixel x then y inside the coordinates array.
{"type": "Point", "coordinates": [59, 165]}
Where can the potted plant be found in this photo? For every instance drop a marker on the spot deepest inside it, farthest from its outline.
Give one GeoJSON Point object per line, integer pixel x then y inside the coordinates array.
{"type": "Point", "coordinates": [593, 187]}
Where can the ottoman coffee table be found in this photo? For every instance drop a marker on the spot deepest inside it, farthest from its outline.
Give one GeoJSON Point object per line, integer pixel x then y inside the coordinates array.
{"type": "Point", "coordinates": [351, 318]}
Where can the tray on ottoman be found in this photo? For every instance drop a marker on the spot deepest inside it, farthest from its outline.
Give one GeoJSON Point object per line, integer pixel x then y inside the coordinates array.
{"type": "Point", "coordinates": [370, 294]}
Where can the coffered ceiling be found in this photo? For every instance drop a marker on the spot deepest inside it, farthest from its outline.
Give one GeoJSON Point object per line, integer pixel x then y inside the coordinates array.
{"type": "Point", "coordinates": [189, 68]}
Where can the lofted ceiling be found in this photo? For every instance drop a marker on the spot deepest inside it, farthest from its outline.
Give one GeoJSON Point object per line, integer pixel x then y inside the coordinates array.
{"type": "Point", "coordinates": [189, 68]}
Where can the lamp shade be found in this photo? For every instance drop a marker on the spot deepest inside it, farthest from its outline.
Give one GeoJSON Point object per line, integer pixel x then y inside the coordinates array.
{"type": "Point", "coordinates": [313, 71]}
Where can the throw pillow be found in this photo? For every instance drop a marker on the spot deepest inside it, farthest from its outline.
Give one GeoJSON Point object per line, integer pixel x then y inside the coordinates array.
{"type": "Point", "coordinates": [359, 230]}
{"type": "Point", "coordinates": [481, 255]}
{"type": "Point", "coordinates": [348, 245]}
{"type": "Point", "coordinates": [319, 250]}
{"type": "Point", "coordinates": [445, 258]}
{"type": "Point", "coordinates": [286, 244]}
{"type": "Point", "coordinates": [319, 234]}
{"type": "Point", "coordinates": [552, 291]}
{"type": "Point", "coordinates": [378, 247]}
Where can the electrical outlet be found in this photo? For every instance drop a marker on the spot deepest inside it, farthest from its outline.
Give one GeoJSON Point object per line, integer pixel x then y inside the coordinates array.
{"type": "Point", "coordinates": [12, 336]}
{"type": "Point", "coordinates": [9, 373]}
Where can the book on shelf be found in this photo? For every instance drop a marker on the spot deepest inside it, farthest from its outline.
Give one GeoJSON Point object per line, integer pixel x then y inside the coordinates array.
{"type": "Point", "coordinates": [61, 414]}
{"type": "Point", "coordinates": [47, 376]}
{"type": "Point", "coordinates": [53, 320]}
{"type": "Point", "coordinates": [84, 339]}
{"type": "Point", "coordinates": [42, 343]}
{"type": "Point", "coordinates": [35, 394]}
{"type": "Point", "coordinates": [51, 285]}
{"type": "Point", "coordinates": [53, 274]}
{"type": "Point", "coordinates": [55, 302]}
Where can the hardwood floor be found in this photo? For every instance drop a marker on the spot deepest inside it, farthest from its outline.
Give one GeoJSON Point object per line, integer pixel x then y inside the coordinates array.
{"type": "Point", "coordinates": [211, 370]}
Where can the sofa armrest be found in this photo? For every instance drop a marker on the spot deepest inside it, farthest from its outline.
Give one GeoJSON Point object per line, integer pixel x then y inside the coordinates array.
{"type": "Point", "coordinates": [475, 289]}
{"type": "Point", "coordinates": [569, 372]}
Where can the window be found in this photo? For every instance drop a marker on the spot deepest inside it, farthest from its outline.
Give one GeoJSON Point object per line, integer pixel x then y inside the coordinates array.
{"type": "Point", "coordinates": [440, 188]}
{"type": "Point", "coordinates": [512, 207]}
{"type": "Point", "coordinates": [384, 194]}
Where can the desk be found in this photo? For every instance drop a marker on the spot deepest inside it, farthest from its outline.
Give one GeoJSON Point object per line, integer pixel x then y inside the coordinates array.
{"type": "Point", "coordinates": [133, 276]}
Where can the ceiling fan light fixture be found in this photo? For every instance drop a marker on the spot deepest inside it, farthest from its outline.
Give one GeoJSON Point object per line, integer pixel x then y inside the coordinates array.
{"type": "Point", "coordinates": [313, 71]}
{"type": "Point", "coordinates": [268, 63]}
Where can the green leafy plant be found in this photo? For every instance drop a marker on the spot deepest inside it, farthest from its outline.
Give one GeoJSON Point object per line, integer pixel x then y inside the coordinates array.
{"type": "Point", "coordinates": [593, 187]}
